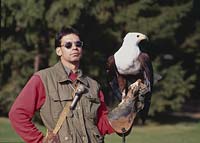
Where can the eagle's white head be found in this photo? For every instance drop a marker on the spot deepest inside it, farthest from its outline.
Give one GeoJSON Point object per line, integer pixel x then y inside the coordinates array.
{"type": "Point", "coordinates": [133, 38]}
{"type": "Point", "coordinates": [126, 57]}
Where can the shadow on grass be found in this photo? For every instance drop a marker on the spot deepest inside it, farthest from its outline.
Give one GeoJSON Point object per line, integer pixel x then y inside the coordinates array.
{"type": "Point", "coordinates": [174, 118]}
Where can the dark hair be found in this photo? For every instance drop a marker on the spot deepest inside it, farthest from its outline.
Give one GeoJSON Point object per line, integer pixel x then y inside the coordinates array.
{"type": "Point", "coordinates": [65, 31]}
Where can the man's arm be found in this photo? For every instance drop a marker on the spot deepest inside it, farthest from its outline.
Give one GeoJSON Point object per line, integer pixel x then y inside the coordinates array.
{"type": "Point", "coordinates": [28, 101]}
{"type": "Point", "coordinates": [103, 123]}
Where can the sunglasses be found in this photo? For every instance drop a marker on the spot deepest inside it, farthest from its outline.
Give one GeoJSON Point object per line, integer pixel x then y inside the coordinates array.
{"type": "Point", "coordinates": [68, 45]}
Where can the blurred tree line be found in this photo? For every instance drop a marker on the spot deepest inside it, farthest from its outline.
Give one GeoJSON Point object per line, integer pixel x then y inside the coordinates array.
{"type": "Point", "coordinates": [28, 28]}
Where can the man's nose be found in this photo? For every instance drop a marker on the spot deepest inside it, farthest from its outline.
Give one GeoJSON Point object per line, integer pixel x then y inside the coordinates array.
{"type": "Point", "coordinates": [74, 46]}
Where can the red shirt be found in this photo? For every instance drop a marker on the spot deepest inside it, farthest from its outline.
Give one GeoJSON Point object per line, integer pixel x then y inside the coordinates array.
{"type": "Point", "coordinates": [31, 98]}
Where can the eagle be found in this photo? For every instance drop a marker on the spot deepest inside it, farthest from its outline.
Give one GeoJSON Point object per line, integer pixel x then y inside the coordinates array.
{"type": "Point", "coordinates": [130, 73]}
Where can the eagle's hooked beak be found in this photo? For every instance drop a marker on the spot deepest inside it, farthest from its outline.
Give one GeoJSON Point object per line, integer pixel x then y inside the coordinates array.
{"type": "Point", "coordinates": [142, 37]}
{"type": "Point", "coordinates": [143, 43]}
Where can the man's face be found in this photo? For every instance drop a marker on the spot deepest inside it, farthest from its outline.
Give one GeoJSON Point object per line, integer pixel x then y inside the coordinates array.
{"type": "Point", "coordinates": [70, 50]}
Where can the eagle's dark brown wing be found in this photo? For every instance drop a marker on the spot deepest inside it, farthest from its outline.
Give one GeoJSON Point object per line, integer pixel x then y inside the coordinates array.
{"type": "Point", "coordinates": [147, 69]}
{"type": "Point", "coordinates": [116, 81]}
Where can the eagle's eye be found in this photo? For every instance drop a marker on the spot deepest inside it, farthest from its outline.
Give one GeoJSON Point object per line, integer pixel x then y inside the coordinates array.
{"type": "Point", "coordinates": [138, 35]}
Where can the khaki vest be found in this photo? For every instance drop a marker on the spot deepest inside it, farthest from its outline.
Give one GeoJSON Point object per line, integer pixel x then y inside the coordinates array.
{"type": "Point", "coordinates": [80, 125]}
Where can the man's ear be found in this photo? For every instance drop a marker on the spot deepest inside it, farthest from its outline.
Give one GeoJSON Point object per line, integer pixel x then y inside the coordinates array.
{"type": "Point", "coordinates": [59, 51]}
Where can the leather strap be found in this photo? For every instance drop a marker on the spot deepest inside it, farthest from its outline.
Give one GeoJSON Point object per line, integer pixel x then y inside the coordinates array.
{"type": "Point", "coordinates": [62, 117]}
{"type": "Point", "coordinates": [63, 114]}
{"type": "Point", "coordinates": [51, 135]}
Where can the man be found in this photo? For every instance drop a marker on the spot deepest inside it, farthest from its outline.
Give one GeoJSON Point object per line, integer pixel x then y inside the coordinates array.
{"type": "Point", "coordinates": [49, 90]}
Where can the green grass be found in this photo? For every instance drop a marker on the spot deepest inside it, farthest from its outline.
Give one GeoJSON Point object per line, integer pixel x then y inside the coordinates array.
{"type": "Point", "coordinates": [153, 133]}
{"type": "Point", "coordinates": [180, 133]}
{"type": "Point", "coordinates": [8, 135]}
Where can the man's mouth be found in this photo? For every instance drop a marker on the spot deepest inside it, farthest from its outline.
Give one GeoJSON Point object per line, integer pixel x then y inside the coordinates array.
{"type": "Point", "coordinates": [75, 54]}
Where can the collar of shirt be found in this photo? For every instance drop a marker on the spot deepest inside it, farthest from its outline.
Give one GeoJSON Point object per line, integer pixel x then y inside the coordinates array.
{"type": "Point", "coordinates": [73, 76]}
{"type": "Point", "coordinates": [70, 75]}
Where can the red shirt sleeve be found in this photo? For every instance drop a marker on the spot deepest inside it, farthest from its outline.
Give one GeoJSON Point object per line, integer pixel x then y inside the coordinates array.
{"type": "Point", "coordinates": [103, 123]}
{"type": "Point", "coordinates": [31, 98]}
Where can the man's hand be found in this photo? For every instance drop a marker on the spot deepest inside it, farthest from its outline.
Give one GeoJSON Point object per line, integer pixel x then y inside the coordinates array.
{"type": "Point", "coordinates": [51, 138]}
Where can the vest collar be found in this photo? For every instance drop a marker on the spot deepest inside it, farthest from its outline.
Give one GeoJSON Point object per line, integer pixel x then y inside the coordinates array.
{"type": "Point", "coordinates": [63, 74]}
{"type": "Point", "coordinates": [81, 78]}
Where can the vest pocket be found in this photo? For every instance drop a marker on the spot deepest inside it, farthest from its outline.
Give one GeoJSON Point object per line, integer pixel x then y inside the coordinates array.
{"type": "Point", "coordinates": [63, 97]}
{"type": "Point", "coordinates": [94, 133]}
{"type": "Point", "coordinates": [98, 137]}
{"type": "Point", "coordinates": [66, 139]}
{"type": "Point", "coordinates": [92, 105]}
{"type": "Point", "coordinates": [57, 104]}
{"type": "Point", "coordinates": [92, 99]}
